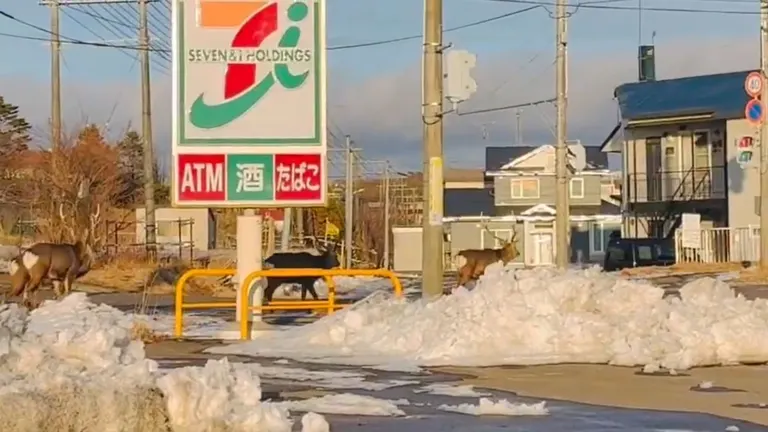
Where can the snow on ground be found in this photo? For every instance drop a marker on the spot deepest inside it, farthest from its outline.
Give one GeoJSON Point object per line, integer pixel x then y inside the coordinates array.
{"type": "Point", "coordinates": [536, 316]}
{"type": "Point", "coordinates": [355, 287]}
{"type": "Point", "coordinates": [450, 390]}
{"type": "Point", "coordinates": [502, 407]}
{"type": "Point", "coordinates": [348, 403]}
{"type": "Point", "coordinates": [72, 365]}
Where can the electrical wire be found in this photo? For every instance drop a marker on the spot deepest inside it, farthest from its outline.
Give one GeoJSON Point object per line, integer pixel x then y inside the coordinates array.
{"type": "Point", "coordinates": [589, 5]}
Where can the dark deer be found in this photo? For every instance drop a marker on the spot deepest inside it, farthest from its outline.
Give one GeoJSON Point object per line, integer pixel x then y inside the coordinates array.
{"type": "Point", "coordinates": [472, 262]}
{"type": "Point", "coordinates": [61, 263]}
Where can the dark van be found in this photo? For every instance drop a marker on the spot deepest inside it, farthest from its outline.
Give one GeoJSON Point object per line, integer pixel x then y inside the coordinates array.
{"type": "Point", "coordinates": [624, 253]}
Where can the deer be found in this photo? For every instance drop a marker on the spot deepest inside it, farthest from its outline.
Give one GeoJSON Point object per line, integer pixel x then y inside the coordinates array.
{"type": "Point", "coordinates": [61, 263]}
{"type": "Point", "coordinates": [472, 262]}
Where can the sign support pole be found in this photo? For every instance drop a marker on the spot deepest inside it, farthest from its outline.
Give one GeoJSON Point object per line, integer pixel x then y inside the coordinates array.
{"type": "Point", "coordinates": [764, 137]}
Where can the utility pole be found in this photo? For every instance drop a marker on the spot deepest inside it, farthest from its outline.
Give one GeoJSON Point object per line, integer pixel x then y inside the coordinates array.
{"type": "Point", "coordinates": [348, 203]}
{"type": "Point", "coordinates": [285, 236]}
{"type": "Point", "coordinates": [300, 225]}
{"type": "Point", "coordinates": [518, 128]}
{"type": "Point", "coordinates": [387, 215]}
{"type": "Point", "coordinates": [764, 137]}
{"type": "Point", "coordinates": [146, 132]}
{"type": "Point", "coordinates": [55, 75]}
{"type": "Point", "coordinates": [562, 228]}
{"type": "Point", "coordinates": [432, 117]}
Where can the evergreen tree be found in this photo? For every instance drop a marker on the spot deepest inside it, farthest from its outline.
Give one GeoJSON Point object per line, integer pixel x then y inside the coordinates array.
{"type": "Point", "coordinates": [14, 129]}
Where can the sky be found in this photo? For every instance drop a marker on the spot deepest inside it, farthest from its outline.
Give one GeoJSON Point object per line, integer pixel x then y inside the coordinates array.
{"type": "Point", "coordinates": [374, 92]}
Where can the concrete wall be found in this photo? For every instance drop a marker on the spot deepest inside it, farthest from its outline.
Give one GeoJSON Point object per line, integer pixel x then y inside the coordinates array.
{"type": "Point", "coordinates": [743, 183]}
{"type": "Point", "coordinates": [547, 190]}
{"type": "Point", "coordinates": [203, 229]}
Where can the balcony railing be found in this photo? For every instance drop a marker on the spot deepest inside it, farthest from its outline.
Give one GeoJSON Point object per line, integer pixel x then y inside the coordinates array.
{"type": "Point", "coordinates": [693, 184]}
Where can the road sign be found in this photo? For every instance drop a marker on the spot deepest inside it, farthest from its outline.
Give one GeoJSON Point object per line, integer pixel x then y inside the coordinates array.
{"type": "Point", "coordinates": [754, 84]}
{"type": "Point", "coordinates": [754, 112]}
{"type": "Point", "coordinates": [250, 90]}
{"type": "Point", "coordinates": [281, 180]}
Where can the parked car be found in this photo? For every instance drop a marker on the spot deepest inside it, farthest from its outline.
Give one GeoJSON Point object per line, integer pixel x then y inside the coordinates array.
{"type": "Point", "coordinates": [624, 253]}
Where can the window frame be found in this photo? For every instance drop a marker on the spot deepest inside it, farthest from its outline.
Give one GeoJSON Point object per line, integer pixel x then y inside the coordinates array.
{"type": "Point", "coordinates": [592, 246]}
{"type": "Point", "coordinates": [520, 181]}
{"type": "Point", "coordinates": [570, 187]}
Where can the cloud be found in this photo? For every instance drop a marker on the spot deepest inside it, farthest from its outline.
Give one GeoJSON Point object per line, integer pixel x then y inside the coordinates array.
{"type": "Point", "coordinates": [383, 114]}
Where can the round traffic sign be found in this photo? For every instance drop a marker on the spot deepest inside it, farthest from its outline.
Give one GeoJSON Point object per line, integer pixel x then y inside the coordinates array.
{"type": "Point", "coordinates": [754, 112]}
{"type": "Point", "coordinates": [754, 84]}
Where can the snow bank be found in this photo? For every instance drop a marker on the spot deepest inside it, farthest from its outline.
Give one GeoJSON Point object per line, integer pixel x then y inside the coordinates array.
{"type": "Point", "coordinates": [348, 404]}
{"type": "Point", "coordinates": [72, 365]}
{"type": "Point", "coordinates": [449, 390]}
{"type": "Point", "coordinates": [501, 408]}
{"type": "Point", "coordinates": [536, 316]}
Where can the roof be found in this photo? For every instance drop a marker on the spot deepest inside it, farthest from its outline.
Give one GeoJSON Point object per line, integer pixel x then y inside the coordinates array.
{"type": "Point", "coordinates": [500, 158]}
{"type": "Point", "coordinates": [468, 202]}
{"type": "Point", "coordinates": [496, 157]}
{"type": "Point", "coordinates": [721, 95]}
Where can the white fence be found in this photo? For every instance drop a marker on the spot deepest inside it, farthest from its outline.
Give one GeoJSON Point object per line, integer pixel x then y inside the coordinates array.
{"type": "Point", "coordinates": [721, 245]}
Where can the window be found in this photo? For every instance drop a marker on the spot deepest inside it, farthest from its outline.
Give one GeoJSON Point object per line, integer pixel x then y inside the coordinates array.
{"type": "Point", "coordinates": [577, 188]}
{"type": "Point", "coordinates": [644, 252]}
{"type": "Point", "coordinates": [701, 149]}
{"type": "Point", "coordinates": [496, 238]}
{"type": "Point", "coordinates": [599, 235]}
{"type": "Point", "coordinates": [524, 188]}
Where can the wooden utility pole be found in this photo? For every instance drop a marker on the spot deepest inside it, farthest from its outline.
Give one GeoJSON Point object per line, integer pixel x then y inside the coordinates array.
{"type": "Point", "coordinates": [348, 202]}
{"type": "Point", "coordinates": [387, 215]}
{"type": "Point", "coordinates": [562, 222]}
{"type": "Point", "coordinates": [432, 117]}
{"type": "Point", "coordinates": [146, 127]}
{"type": "Point", "coordinates": [55, 75]}
{"type": "Point", "coordinates": [764, 137]}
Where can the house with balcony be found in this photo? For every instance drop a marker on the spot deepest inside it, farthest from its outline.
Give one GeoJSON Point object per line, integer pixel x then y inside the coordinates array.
{"type": "Point", "coordinates": [522, 185]}
{"type": "Point", "coordinates": [679, 140]}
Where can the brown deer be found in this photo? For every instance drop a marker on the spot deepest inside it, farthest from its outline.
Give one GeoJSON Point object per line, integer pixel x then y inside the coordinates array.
{"type": "Point", "coordinates": [61, 263]}
{"type": "Point", "coordinates": [472, 262]}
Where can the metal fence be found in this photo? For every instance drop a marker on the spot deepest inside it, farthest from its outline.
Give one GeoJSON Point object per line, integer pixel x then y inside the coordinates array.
{"type": "Point", "coordinates": [174, 238]}
{"type": "Point", "coordinates": [721, 245]}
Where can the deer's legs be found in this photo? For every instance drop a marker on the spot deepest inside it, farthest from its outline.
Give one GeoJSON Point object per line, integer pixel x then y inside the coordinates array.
{"type": "Point", "coordinates": [465, 275]}
{"type": "Point", "coordinates": [57, 285]}
{"type": "Point", "coordinates": [68, 283]}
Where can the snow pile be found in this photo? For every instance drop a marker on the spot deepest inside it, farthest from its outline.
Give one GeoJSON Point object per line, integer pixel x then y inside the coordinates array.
{"type": "Point", "coordinates": [346, 286]}
{"type": "Point", "coordinates": [501, 408]}
{"type": "Point", "coordinates": [449, 390]}
{"type": "Point", "coordinates": [536, 316]}
{"type": "Point", "coordinates": [347, 404]}
{"type": "Point", "coordinates": [72, 365]}
{"type": "Point", "coordinates": [7, 254]}
{"type": "Point", "coordinates": [219, 394]}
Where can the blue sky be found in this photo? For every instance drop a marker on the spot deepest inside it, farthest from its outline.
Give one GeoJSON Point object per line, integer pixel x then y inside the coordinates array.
{"type": "Point", "coordinates": [594, 36]}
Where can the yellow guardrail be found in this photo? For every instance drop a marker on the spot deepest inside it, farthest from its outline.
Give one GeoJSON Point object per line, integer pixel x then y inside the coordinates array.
{"type": "Point", "coordinates": [180, 305]}
{"type": "Point", "coordinates": [330, 303]}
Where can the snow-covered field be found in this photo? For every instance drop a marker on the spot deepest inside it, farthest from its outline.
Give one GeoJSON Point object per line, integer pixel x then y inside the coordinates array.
{"type": "Point", "coordinates": [71, 365]}
{"type": "Point", "coordinates": [536, 316]}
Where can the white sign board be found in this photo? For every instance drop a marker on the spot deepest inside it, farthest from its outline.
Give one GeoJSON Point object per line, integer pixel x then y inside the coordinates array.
{"type": "Point", "coordinates": [691, 229]}
{"type": "Point", "coordinates": [249, 105]}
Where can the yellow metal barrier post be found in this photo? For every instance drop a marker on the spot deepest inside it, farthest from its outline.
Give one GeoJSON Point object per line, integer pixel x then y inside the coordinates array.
{"type": "Point", "coordinates": [180, 305]}
{"type": "Point", "coordinates": [298, 305]}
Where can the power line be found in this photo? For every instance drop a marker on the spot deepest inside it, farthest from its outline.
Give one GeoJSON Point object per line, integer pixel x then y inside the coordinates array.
{"type": "Point", "coordinates": [419, 36]}
{"type": "Point", "coordinates": [588, 5]}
